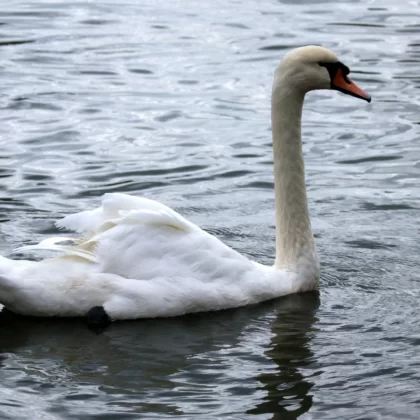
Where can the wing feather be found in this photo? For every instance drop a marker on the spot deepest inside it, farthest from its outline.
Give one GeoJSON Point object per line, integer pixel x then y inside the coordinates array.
{"type": "Point", "coordinates": [79, 249]}
{"type": "Point", "coordinates": [117, 207]}
{"type": "Point", "coordinates": [116, 210]}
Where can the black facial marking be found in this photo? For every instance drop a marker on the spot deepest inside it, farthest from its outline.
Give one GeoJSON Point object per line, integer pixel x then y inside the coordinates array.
{"type": "Point", "coordinates": [97, 319]}
{"type": "Point", "coordinates": [333, 69]}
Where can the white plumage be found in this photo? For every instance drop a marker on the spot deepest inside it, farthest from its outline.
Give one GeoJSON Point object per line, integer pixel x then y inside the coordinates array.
{"type": "Point", "coordinates": [138, 258]}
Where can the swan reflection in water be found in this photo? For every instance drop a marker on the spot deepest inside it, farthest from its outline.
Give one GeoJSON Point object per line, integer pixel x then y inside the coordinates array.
{"type": "Point", "coordinates": [288, 390]}
{"type": "Point", "coordinates": [166, 366]}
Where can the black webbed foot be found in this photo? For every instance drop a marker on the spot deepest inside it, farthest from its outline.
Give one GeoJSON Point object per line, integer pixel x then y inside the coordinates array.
{"type": "Point", "coordinates": [97, 319]}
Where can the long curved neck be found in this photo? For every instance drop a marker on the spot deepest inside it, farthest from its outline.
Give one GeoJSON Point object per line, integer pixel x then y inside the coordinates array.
{"type": "Point", "coordinates": [295, 245]}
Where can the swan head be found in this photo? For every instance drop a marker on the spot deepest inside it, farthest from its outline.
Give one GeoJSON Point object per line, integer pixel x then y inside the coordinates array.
{"type": "Point", "coordinates": [309, 68]}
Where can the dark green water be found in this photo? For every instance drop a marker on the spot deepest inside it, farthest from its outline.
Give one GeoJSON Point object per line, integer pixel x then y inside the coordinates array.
{"type": "Point", "coordinates": [171, 100]}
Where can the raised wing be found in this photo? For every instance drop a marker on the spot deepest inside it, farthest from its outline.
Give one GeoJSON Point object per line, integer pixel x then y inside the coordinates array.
{"type": "Point", "coordinates": [142, 239]}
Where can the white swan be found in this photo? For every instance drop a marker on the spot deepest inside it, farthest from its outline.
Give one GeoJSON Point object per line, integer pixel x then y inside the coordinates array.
{"type": "Point", "coordinates": [138, 258]}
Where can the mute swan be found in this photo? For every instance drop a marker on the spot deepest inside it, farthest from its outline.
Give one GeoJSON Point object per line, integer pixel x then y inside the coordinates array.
{"type": "Point", "coordinates": [140, 259]}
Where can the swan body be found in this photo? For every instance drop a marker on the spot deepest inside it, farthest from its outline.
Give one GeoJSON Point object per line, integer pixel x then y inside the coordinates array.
{"type": "Point", "coordinates": [137, 258]}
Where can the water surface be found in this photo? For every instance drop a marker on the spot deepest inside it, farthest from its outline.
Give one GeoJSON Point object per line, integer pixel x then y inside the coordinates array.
{"type": "Point", "coordinates": [171, 100]}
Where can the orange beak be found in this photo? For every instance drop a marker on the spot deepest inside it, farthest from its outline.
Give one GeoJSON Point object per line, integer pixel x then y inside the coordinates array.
{"type": "Point", "coordinates": [342, 83]}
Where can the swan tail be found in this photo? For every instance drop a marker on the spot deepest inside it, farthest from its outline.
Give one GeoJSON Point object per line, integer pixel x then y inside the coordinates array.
{"type": "Point", "coordinates": [11, 280]}
{"type": "Point", "coordinates": [7, 269]}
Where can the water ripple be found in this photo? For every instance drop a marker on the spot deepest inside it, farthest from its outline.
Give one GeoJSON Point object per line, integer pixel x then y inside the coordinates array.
{"type": "Point", "coordinates": [171, 101]}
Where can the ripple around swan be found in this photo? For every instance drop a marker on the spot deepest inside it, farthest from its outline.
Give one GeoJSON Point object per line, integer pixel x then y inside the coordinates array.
{"type": "Point", "coordinates": [171, 101]}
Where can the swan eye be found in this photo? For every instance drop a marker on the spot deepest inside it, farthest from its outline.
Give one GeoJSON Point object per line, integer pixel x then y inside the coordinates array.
{"type": "Point", "coordinates": [345, 69]}
{"type": "Point", "coordinates": [334, 67]}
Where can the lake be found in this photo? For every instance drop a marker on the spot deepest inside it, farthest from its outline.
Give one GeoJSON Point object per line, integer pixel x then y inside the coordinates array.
{"type": "Point", "coordinates": [171, 100]}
